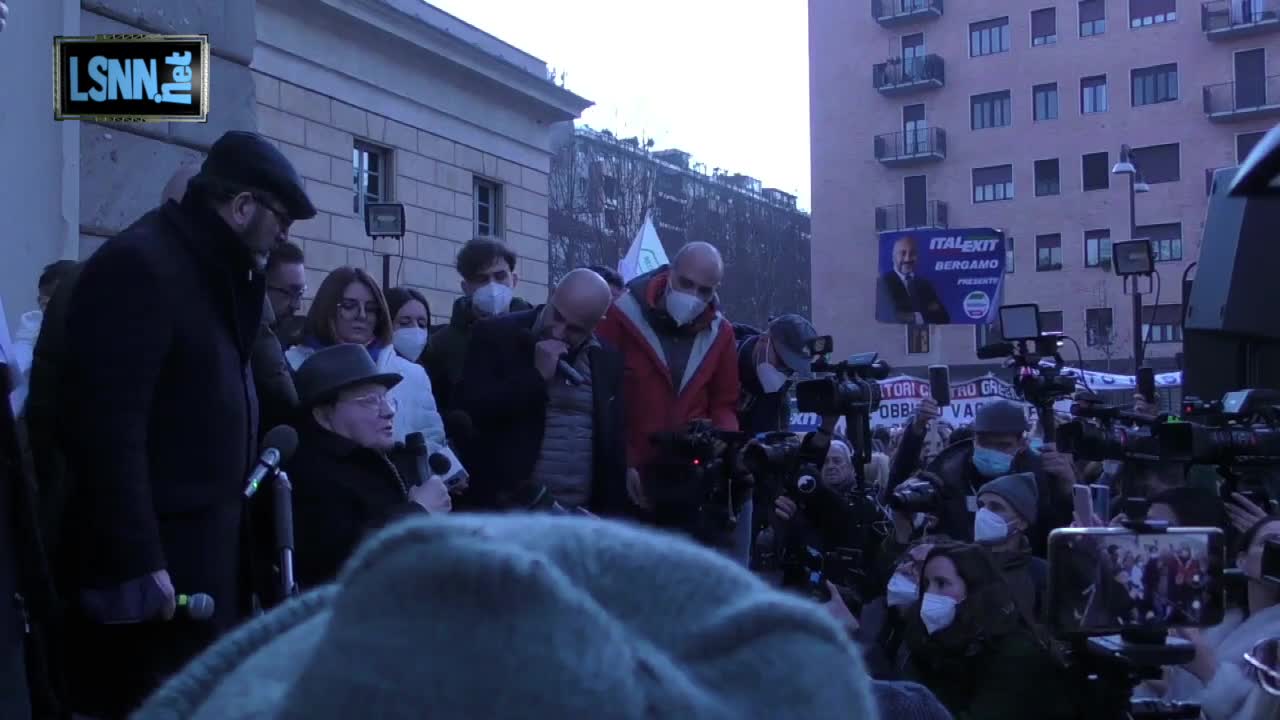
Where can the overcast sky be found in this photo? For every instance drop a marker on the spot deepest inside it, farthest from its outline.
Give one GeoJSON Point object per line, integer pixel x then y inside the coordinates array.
{"type": "Point", "coordinates": [725, 80]}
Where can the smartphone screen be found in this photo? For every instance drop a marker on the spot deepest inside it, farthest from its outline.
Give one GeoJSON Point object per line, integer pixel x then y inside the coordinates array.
{"type": "Point", "coordinates": [1105, 580]}
{"type": "Point", "coordinates": [1101, 502]}
{"type": "Point", "coordinates": [940, 384]}
{"type": "Point", "coordinates": [1082, 502]}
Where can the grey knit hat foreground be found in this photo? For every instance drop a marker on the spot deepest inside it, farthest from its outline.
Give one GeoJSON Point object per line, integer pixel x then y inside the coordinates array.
{"type": "Point", "coordinates": [1019, 490]}
{"type": "Point", "coordinates": [530, 617]}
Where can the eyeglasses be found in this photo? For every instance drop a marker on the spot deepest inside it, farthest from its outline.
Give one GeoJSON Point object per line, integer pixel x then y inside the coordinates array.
{"type": "Point", "coordinates": [294, 293]}
{"type": "Point", "coordinates": [375, 401]}
{"type": "Point", "coordinates": [353, 308]}
{"type": "Point", "coordinates": [282, 217]}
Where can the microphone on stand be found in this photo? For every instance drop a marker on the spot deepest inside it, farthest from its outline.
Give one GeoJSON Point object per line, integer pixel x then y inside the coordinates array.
{"type": "Point", "coordinates": [277, 447]}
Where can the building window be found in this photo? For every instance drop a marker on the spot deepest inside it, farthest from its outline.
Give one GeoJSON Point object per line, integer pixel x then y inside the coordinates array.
{"type": "Point", "coordinates": [1044, 27]}
{"type": "Point", "coordinates": [1166, 240]}
{"type": "Point", "coordinates": [1047, 177]}
{"type": "Point", "coordinates": [986, 335]}
{"type": "Point", "coordinates": [917, 339]}
{"type": "Point", "coordinates": [1158, 163]}
{"type": "Point", "coordinates": [1162, 324]}
{"type": "Point", "coordinates": [1156, 84]}
{"type": "Point", "coordinates": [1097, 249]}
{"type": "Point", "coordinates": [1046, 101]}
{"type": "Point", "coordinates": [993, 183]}
{"type": "Point", "coordinates": [1093, 17]}
{"type": "Point", "coordinates": [369, 165]}
{"type": "Point", "coordinates": [1093, 94]}
{"type": "Point", "coordinates": [1099, 327]}
{"type": "Point", "coordinates": [1048, 252]}
{"type": "Point", "coordinates": [991, 110]}
{"type": "Point", "coordinates": [989, 37]}
{"type": "Point", "coordinates": [1096, 171]}
{"type": "Point", "coordinates": [1245, 143]}
{"type": "Point", "coordinates": [1152, 12]}
{"type": "Point", "coordinates": [488, 210]}
{"type": "Point", "coordinates": [1008, 256]}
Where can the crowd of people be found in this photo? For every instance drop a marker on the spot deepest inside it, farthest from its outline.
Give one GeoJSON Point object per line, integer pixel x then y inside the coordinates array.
{"type": "Point", "coordinates": [564, 564]}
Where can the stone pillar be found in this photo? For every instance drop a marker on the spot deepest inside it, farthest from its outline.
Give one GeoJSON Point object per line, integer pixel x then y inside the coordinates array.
{"type": "Point", "coordinates": [39, 177]}
{"type": "Point", "coordinates": [124, 167]}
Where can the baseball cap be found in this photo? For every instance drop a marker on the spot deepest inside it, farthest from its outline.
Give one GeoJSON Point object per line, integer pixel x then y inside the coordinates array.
{"type": "Point", "coordinates": [248, 160]}
{"type": "Point", "coordinates": [789, 333]}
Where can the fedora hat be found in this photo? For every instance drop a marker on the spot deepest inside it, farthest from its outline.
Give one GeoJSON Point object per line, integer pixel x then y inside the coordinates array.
{"type": "Point", "coordinates": [336, 368]}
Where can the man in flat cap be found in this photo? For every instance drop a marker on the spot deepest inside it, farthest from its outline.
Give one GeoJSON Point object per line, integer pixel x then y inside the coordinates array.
{"type": "Point", "coordinates": [160, 424]}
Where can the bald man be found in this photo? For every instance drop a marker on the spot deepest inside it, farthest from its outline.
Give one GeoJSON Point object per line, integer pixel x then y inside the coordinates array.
{"type": "Point", "coordinates": [681, 365]}
{"type": "Point", "coordinates": [545, 399]}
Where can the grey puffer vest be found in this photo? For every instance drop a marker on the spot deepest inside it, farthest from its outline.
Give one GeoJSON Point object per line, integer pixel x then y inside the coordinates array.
{"type": "Point", "coordinates": [565, 465]}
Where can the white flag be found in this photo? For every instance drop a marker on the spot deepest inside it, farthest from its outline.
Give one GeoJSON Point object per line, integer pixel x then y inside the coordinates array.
{"type": "Point", "coordinates": [645, 253]}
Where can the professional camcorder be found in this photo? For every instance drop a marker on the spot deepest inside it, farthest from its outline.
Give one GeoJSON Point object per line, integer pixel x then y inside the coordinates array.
{"type": "Point", "coordinates": [1026, 348]}
{"type": "Point", "coordinates": [696, 476]}
{"type": "Point", "coordinates": [1242, 429]}
{"type": "Point", "coordinates": [851, 387]}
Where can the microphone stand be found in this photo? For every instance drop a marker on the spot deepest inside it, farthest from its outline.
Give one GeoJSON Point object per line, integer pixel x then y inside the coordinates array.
{"type": "Point", "coordinates": [282, 495]}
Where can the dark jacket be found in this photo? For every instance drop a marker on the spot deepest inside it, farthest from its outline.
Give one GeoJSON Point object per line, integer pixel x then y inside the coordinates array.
{"type": "Point", "coordinates": [506, 398]}
{"type": "Point", "coordinates": [896, 302]}
{"type": "Point", "coordinates": [341, 492]}
{"type": "Point", "coordinates": [758, 411]}
{"type": "Point", "coordinates": [961, 480]}
{"type": "Point", "coordinates": [277, 397]}
{"type": "Point", "coordinates": [160, 428]}
{"type": "Point", "coordinates": [27, 599]}
{"type": "Point", "coordinates": [445, 356]}
{"type": "Point", "coordinates": [1006, 677]}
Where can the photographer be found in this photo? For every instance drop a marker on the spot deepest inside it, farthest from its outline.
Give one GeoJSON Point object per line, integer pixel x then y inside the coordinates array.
{"type": "Point", "coordinates": [998, 448]}
{"type": "Point", "coordinates": [766, 361]}
{"type": "Point", "coordinates": [833, 520]}
{"type": "Point", "coordinates": [971, 645]}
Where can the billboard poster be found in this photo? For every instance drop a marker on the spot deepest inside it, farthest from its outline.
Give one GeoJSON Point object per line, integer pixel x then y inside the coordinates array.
{"type": "Point", "coordinates": [940, 277]}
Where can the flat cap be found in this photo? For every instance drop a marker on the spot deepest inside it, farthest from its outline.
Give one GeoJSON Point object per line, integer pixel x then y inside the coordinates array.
{"type": "Point", "coordinates": [248, 160]}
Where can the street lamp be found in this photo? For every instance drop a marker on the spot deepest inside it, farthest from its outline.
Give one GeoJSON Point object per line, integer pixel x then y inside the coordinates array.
{"type": "Point", "coordinates": [1135, 248]}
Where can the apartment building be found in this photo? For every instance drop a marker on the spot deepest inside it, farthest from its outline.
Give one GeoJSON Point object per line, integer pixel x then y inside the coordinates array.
{"type": "Point", "coordinates": [1012, 114]}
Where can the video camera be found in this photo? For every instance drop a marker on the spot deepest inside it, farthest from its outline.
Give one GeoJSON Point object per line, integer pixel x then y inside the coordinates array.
{"type": "Point", "coordinates": [851, 387]}
{"type": "Point", "coordinates": [1242, 429]}
{"type": "Point", "coordinates": [1026, 347]}
{"type": "Point", "coordinates": [696, 475]}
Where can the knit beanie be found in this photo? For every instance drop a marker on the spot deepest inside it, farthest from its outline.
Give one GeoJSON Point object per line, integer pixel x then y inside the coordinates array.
{"type": "Point", "coordinates": [1019, 490]}
{"type": "Point", "coordinates": [529, 616]}
{"type": "Point", "coordinates": [907, 701]}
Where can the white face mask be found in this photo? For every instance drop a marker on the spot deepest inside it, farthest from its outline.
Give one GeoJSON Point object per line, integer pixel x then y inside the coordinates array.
{"type": "Point", "coordinates": [409, 342]}
{"type": "Point", "coordinates": [989, 527]}
{"type": "Point", "coordinates": [492, 299]}
{"type": "Point", "coordinates": [937, 612]}
{"type": "Point", "coordinates": [771, 378]}
{"type": "Point", "coordinates": [902, 591]}
{"type": "Point", "coordinates": [683, 307]}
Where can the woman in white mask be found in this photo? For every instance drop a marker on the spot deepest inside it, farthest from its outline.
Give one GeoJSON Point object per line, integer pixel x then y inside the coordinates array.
{"type": "Point", "coordinates": [1006, 508]}
{"type": "Point", "coordinates": [410, 322]}
{"type": "Point", "coordinates": [971, 645]}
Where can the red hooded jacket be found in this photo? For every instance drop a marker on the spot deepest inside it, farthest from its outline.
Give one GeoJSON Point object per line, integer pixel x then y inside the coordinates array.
{"type": "Point", "coordinates": [653, 404]}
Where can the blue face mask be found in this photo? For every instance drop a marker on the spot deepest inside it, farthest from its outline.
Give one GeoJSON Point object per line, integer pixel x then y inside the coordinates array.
{"type": "Point", "coordinates": [991, 463]}
{"type": "Point", "coordinates": [1036, 444]}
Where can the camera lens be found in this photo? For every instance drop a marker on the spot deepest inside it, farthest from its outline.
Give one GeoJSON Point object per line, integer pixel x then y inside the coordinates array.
{"type": "Point", "coordinates": [806, 484]}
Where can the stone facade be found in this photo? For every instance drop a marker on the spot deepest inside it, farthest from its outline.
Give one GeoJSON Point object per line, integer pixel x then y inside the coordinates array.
{"type": "Point", "coordinates": [436, 130]}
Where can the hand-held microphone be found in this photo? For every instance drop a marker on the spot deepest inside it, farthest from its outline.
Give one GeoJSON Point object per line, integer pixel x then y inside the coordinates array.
{"type": "Point", "coordinates": [567, 371]}
{"type": "Point", "coordinates": [277, 447]}
{"type": "Point", "coordinates": [197, 607]}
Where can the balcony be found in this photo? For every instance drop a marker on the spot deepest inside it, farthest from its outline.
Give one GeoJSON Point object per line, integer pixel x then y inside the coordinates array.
{"type": "Point", "coordinates": [911, 147]}
{"type": "Point", "coordinates": [932, 215]}
{"type": "Point", "coordinates": [1231, 19]}
{"type": "Point", "coordinates": [902, 76]}
{"type": "Point", "coordinates": [1236, 102]}
{"type": "Point", "coordinates": [892, 13]}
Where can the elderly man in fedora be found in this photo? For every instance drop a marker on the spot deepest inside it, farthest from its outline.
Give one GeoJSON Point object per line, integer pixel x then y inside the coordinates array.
{"type": "Point", "coordinates": [345, 483]}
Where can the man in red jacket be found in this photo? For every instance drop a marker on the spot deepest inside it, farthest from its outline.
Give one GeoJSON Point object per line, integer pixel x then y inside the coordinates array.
{"type": "Point", "coordinates": [680, 361]}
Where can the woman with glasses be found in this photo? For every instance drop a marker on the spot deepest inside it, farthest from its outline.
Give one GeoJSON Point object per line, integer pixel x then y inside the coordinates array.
{"type": "Point", "coordinates": [350, 308]}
